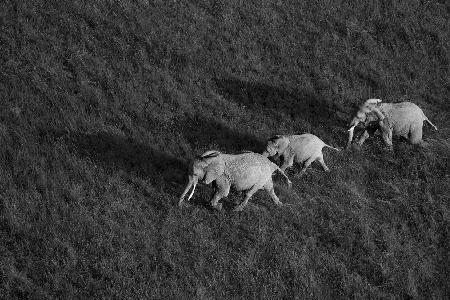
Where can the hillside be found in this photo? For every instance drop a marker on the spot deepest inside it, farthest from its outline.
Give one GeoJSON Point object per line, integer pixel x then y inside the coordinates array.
{"type": "Point", "coordinates": [103, 104]}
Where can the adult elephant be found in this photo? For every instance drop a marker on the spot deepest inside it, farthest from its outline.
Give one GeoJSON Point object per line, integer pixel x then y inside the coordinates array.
{"type": "Point", "coordinates": [401, 119]}
{"type": "Point", "coordinates": [244, 172]}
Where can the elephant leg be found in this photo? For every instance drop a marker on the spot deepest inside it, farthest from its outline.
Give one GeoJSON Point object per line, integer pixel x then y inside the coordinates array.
{"type": "Point", "coordinates": [384, 125]}
{"type": "Point", "coordinates": [222, 190]}
{"type": "Point", "coordinates": [287, 162]}
{"type": "Point", "coordinates": [415, 136]}
{"type": "Point", "coordinates": [387, 138]}
{"type": "Point", "coordinates": [363, 138]}
{"type": "Point", "coordinates": [322, 162]}
{"type": "Point", "coordinates": [307, 164]}
{"type": "Point", "coordinates": [249, 194]}
{"type": "Point", "coordinates": [370, 130]}
{"type": "Point", "coordinates": [269, 189]}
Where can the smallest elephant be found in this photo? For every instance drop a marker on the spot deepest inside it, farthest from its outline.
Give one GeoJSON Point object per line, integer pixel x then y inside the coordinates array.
{"type": "Point", "coordinates": [304, 148]}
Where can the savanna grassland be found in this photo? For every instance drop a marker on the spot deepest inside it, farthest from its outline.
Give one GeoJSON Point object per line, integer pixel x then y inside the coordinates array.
{"type": "Point", "coordinates": [104, 103]}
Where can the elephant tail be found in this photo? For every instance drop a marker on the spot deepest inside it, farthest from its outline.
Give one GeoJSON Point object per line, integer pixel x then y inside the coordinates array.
{"type": "Point", "coordinates": [289, 182]}
{"type": "Point", "coordinates": [332, 147]}
{"type": "Point", "coordinates": [426, 119]}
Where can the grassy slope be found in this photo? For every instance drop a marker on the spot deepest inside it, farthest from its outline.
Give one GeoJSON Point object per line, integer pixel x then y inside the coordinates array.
{"type": "Point", "coordinates": [103, 105]}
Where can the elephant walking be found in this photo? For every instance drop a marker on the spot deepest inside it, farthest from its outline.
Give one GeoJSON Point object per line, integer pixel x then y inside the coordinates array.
{"type": "Point", "coordinates": [400, 119]}
{"type": "Point", "coordinates": [305, 148]}
{"type": "Point", "coordinates": [244, 172]}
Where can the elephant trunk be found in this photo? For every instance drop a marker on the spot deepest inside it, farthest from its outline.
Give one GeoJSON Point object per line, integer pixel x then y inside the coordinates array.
{"type": "Point", "coordinates": [192, 182]}
{"type": "Point", "coordinates": [350, 132]}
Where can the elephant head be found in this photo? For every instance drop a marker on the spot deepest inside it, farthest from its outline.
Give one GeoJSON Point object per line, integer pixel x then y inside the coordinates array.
{"type": "Point", "coordinates": [368, 112]}
{"type": "Point", "coordinates": [276, 145]}
{"type": "Point", "coordinates": [206, 168]}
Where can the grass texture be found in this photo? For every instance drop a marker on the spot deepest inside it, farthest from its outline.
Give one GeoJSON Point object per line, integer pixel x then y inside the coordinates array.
{"type": "Point", "coordinates": [104, 103]}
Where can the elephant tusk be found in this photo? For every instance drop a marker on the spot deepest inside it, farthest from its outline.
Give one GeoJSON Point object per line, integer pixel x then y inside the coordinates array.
{"type": "Point", "coordinates": [350, 136]}
{"type": "Point", "coordinates": [192, 192]}
{"type": "Point", "coordinates": [186, 190]}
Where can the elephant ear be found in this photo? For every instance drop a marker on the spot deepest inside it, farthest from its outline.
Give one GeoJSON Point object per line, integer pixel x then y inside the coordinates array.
{"type": "Point", "coordinates": [214, 169]}
{"type": "Point", "coordinates": [372, 102]}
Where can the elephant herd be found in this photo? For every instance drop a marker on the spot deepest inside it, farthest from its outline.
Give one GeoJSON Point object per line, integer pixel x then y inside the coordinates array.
{"type": "Point", "coordinates": [251, 171]}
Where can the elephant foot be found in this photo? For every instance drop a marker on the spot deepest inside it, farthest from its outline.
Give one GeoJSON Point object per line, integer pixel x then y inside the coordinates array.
{"type": "Point", "coordinates": [279, 204]}
{"type": "Point", "coordinates": [238, 208]}
{"type": "Point", "coordinates": [217, 206]}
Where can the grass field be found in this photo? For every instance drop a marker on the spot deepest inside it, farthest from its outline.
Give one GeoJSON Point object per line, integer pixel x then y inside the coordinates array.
{"type": "Point", "coordinates": [104, 103]}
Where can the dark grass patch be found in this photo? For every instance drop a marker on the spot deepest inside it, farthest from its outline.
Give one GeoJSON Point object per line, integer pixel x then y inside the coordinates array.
{"type": "Point", "coordinates": [295, 103]}
{"type": "Point", "coordinates": [121, 152]}
{"type": "Point", "coordinates": [206, 134]}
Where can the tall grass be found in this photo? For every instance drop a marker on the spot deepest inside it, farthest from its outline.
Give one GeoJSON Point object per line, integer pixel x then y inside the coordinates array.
{"type": "Point", "coordinates": [103, 105]}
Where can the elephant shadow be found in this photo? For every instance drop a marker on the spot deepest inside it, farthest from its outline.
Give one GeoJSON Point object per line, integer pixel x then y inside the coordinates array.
{"type": "Point", "coordinates": [208, 134]}
{"type": "Point", "coordinates": [300, 105]}
{"type": "Point", "coordinates": [117, 152]}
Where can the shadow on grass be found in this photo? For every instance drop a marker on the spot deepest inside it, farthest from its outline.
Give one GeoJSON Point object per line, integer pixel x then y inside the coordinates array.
{"type": "Point", "coordinates": [164, 170]}
{"type": "Point", "coordinates": [114, 151]}
{"type": "Point", "coordinates": [299, 104]}
{"type": "Point", "coordinates": [207, 134]}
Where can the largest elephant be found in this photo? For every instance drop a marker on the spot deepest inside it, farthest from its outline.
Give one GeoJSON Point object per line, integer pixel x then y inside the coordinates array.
{"type": "Point", "coordinates": [401, 119]}
{"type": "Point", "coordinates": [244, 172]}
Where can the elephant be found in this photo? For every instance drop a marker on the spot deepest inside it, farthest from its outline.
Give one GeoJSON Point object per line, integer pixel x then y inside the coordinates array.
{"type": "Point", "coordinates": [304, 148]}
{"type": "Point", "coordinates": [244, 172]}
{"type": "Point", "coordinates": [401, 119]}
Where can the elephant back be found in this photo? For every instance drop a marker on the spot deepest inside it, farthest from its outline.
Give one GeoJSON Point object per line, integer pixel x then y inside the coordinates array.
{"type": "Point", "coordinates": [304, 138]}
{"type": "Point", "coordinates": [305, 145]}
{"type": "Point", "coordinates": [400, 116]}
{"type": "Point", "coordinates": [208, 154]}
{"type": "Point", "coordinates": [246, 168]}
